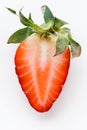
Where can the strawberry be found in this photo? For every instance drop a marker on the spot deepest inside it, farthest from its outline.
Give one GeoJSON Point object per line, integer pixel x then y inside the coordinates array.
{"type": "Point", "coordinates": [42, 59]}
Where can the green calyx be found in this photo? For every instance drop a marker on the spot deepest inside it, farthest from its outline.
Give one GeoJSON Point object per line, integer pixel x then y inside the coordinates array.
{"type": "Point", "coordinates": [51, 25]}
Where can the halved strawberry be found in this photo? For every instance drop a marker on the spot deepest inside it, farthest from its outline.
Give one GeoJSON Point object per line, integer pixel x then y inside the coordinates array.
{"type": "Point", "coordinates": [40, 74]}
{"type": "Point", "coordinates": [42, 59]}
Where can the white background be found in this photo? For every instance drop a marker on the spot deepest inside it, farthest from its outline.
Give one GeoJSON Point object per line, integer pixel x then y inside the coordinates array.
{"type": "Point", "coordinates": [69, 112]}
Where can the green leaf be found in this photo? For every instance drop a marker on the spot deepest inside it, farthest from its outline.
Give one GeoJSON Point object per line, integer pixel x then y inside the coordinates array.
{"type": "Point", "coordinates": [59, 23]}
{"type": "Point", "coordinates": [65, 30]}
{"type": "Point", "coordinates": [20, 35]}
{"type": "Point", "coordinates": [30, 18]}
{"type": "Point", "coordinates": [46, 26]}
{"type": "Point", "coordinates": [75, 47]}
{"type": "Point", "coordinates": [11, 10]}
{"type": "Point", "coordinates": [29, 23]}
{"type": "Point", "coordinates": [62, 43]}
{"type": "Point", "coordinates": [24, 20]}
{"type": "Point", "coordinates": [48, 16]}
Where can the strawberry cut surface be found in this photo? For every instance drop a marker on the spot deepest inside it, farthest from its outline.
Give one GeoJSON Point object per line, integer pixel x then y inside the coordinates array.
{"type": "Point", "coordinates": [40, 73]}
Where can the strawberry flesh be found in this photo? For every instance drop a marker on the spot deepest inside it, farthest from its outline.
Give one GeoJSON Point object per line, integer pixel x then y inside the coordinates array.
{"type": "Point", "coordinates": [40, 73]}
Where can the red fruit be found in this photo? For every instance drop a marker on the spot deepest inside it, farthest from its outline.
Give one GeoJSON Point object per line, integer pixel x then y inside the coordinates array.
{"type": "Point", "coordinates": [42, 59]}
{"type": "Point", "coordinates": [41, 74]}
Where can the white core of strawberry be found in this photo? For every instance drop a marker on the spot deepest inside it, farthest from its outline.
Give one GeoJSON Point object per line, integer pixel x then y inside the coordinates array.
{"type": "Point", "coordinates": [44, 52]}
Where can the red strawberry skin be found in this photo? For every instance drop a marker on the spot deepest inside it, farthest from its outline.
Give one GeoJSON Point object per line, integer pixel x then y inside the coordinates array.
{"type": "Point", "coordinates": [40, 73]}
